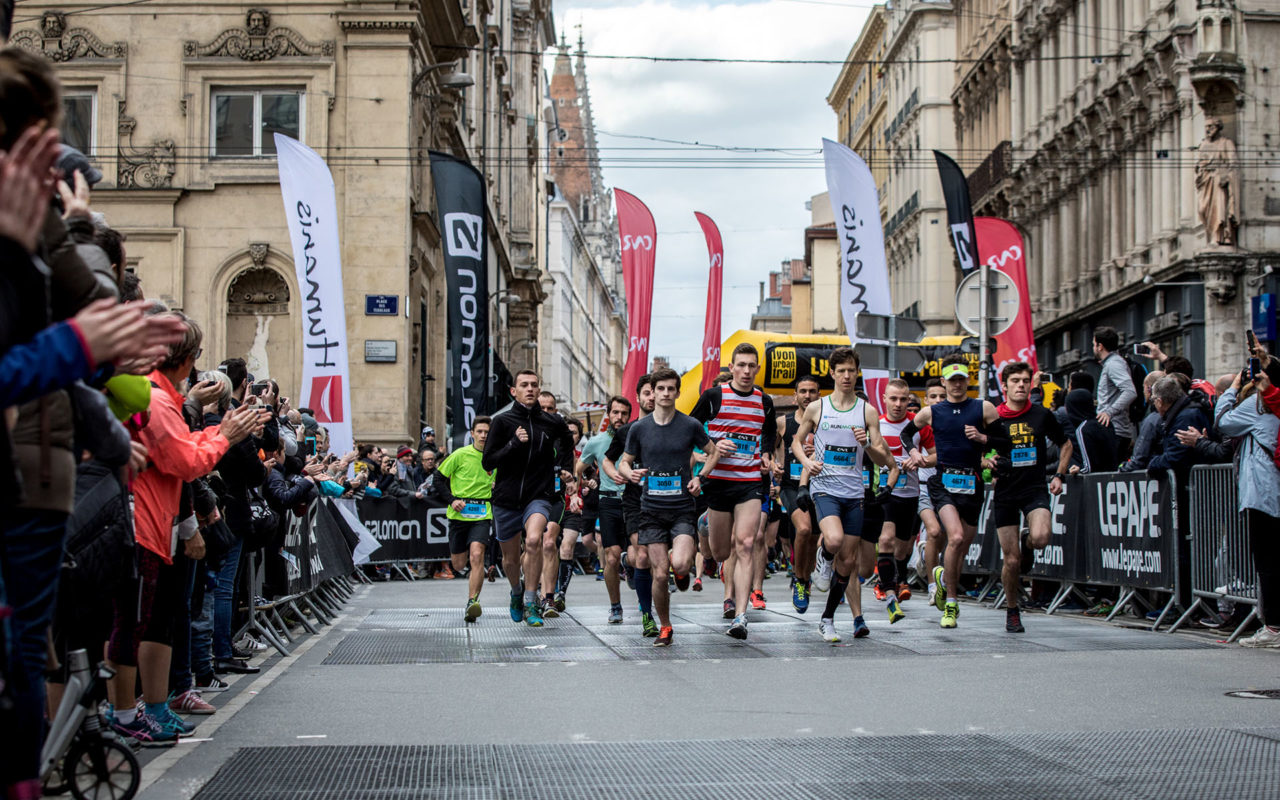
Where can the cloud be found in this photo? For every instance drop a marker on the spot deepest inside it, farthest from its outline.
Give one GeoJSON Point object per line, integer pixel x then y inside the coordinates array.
{"type": "Point", "coordinates": [760, 212]}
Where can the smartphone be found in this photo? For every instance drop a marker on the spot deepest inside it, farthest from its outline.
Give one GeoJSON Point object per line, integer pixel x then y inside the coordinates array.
{"type": "Point", "coordinates": [309, 446]}
{"type": "Point", "coordinates": [1139, 350]}
{"type": "Point", "coordinates": [1251, 338]}
{"type": "Point", "coordinates": [259, 387]}
{"type": "Point", "coordinates": [1255, 368]}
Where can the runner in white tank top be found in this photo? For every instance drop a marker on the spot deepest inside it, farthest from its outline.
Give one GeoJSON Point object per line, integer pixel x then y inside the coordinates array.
{"type": "Point", "coordinates": [844, 427]}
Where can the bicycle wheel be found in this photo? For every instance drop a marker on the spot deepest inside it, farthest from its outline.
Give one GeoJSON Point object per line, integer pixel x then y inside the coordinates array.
{"type": "Point", "coordinates": [98, 768]}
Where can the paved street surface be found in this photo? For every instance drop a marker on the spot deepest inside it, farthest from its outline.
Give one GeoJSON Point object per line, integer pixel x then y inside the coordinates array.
{"type": "Point", "coordinates": [399, 700]}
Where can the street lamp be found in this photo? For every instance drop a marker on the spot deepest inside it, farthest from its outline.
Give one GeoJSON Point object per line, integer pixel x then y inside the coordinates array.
{"type": "Point", "coordinates": [527, 343]}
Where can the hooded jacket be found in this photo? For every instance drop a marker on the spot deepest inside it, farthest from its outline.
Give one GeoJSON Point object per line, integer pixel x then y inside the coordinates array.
{"type": "Point", "coordinates": [1094, 445]}
{"type": "Point", "coordinates": [527, 471]}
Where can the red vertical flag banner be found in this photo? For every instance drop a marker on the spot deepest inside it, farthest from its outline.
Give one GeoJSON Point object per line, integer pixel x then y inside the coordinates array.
{"type": "Point", "coordinates": [639, 244]}
{"type": "Point", "coordinates": [715, 291]}
{"type": "Point", "coordinates": [1000, 247]}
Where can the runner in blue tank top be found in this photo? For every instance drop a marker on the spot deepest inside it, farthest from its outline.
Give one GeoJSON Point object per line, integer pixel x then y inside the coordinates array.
{"type": "Point", "coordinates": [963, 429]}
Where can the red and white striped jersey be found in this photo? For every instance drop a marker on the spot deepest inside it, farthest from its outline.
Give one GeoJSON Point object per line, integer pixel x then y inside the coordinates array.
{"type": "Point", "coordinates": [742, 420]}
{"type": "Point", "coordinates": [908, 482]}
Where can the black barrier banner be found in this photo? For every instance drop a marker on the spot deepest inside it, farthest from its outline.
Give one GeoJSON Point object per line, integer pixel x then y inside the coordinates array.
{"type": "Point", "coordinates": [297, 550]}
{"type": "Point", "coordinates": [329, 549]}
{"type": "Point", "coordinates": [1126, 529]}
{"type": "Point", "coordinates": [983, 556]}
{"type": "Point", "coordinates": [409, 528]}
{"type": "Point", "coordinates": [460, 204]}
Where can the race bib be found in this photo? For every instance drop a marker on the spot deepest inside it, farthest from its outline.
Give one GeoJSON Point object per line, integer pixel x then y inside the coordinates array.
{"type": "Point", "coordinates": [902, 481]}
{"type": "Point", "coordinates": [664, 485]}
{"type": "Point", "coordinates": [959, 481]}
{"type": "Point", "coordinates": [796, 469]}
{"type": "Point", "coordinates": [746, 444]}
{"type": "Point", "coordinates": [1024, 456]}
{"type": "Point", "coordinates": [884, 478]}
{"type": "Point", "coordinates": [557, 481]}
{"type": "Point", "coordinates": [474, 510]}
{"type": "Point", "coordinates": [841, 457]}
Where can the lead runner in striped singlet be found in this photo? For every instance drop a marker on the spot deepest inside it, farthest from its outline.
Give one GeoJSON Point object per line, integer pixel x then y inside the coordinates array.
{"type": "Point", "coordinates": [740, 420]}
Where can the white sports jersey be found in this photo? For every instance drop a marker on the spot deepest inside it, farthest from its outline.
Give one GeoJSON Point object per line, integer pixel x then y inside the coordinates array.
{"type": "Point", "coordinates": [837, 449]}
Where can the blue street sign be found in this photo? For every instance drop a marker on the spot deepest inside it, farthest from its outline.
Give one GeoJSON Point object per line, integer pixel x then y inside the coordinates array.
{"type": "Point", "coordinates": [381, 305]}
{"type": "Point", "coordinates": [1264, 317]}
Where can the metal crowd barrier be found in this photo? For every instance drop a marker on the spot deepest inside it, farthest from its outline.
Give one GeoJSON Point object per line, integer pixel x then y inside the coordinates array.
{"type": "Point", "coordinates": [1221, 564]}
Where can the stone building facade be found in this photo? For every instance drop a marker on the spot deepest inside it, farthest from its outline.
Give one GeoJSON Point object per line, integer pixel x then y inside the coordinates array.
{"type": "Point", "coordinates": [1113, 157]}
{"type": "Point", "coordinates": [983, 101]}
{"type": "Point", "coordinates": [584, 318]}
{"type": "Point", "coordinates": [176, 104]}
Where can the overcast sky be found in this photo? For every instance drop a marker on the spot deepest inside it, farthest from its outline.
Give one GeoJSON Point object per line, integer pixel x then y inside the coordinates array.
{"type": "Point", "coordinates": [761, 212]}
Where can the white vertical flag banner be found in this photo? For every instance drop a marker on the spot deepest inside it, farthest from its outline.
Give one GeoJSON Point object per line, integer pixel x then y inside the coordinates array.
{"type": "Point", "coordinates": [311, 209]}
{"type": "Point", "coordinates": [864, 271]}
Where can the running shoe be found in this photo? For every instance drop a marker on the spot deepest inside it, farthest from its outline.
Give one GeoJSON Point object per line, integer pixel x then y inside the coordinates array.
{"type": "Point", "coordinates": [1100, 609]}
{"type": "Point", "coordinates": [190, 702]}
{"type": "Point", "coordinates": [615, 615]}
{"type": "Point", "coordinates": [904, 593]}
{"type": "Point", "coordinates": [800, 597]}
{"type": "Point", "coordinates": [211, 684]}
{"type": "Point", "coordinates": [170, 721]}
{"type": "Point", "coordinates": [548, 608]}
{"type": "Point", "coordinates": [949, 614]}
{"type": "Point", "coordinates": [533, 615]}
{"type": "Point", "coordinates": [880, 593]}
{"type": "Point", "coordinates": [145, 731]}
{"type": "Point", "coordinates": [940, 590]}
{"type": "Point", "coordinates": [860, 628]}
{"type": "Point", "coordinates": [682, 583]}
{"type": "Point", "coordinates": [664, 637]}
{"type": "Point", "coordinates": [821, 578]}
{"type": "Point", "coordinates": [559, 601]}
{"type": "Point", "coordinates": [473, 610]}
{"type": "Point", "coordinates": [895, 611]}
{"type": "Point", "coordinates": [491, 574]}
{"type": "Point", "coordinates": [738, 629]}
{"type": "Point", "coordinates": [648, 626]}
{"type": "Point", "coordinates": [1028, 555]}
{"type": "Point", "coordinates": [1013, 621]}
{"type": "Point", "coordinates": [1265, 636]}
{"type": "Point", "coordinates": [697, 584]}
{"type": "Point", "coordinates": [729, 609]}
{"type": "Point", "coordinates": [599, 573]}
{"type": "Point", "coordinates": [827, 628]}
{"type": "Point", "coordinates": [517, 607]}
{"type": "Point", "coordinates": [757, 600]}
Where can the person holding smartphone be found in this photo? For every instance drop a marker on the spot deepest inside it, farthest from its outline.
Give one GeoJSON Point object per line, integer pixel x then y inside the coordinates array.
{"type": "Point", "coordinates": [1115, 388]}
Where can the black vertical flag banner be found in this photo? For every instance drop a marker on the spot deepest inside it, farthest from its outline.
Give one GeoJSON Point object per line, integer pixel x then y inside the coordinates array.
{"type": "Point", "coordinates": [460, 205]}
{"type": "Point", "coordinates": [959, 211]}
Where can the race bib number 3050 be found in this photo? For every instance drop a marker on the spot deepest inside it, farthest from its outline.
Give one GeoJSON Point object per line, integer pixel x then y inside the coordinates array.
{"type": "Point", "coordinates": [664, 486]}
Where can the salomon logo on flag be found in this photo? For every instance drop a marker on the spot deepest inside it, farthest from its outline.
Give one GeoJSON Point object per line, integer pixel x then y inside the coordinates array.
{"type": "Point", "coordinates": [326, 398]}
{"type": "Point", "coordinates": [637, 242]}
{"type": "Point", "coordinates": [463, 234]}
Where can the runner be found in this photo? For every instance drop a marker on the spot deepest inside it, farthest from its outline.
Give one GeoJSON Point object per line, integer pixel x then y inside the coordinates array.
{"type": "Point", "coordinates": [547, 581]}
{"type": "Point", "coordinates": [963, 429]}
{"type": "Point", "coordinates": [637, 557]}
{"type": "Point", "coordinates": [790, 496]}
{"type": "Point", "coordinates": [934, 542]}
{"type": "Point", "coordinates": [609, 522]}
{"type": "Point", "coordinates": [530, 450]}
{"type": "Point", "coordinates": [664, 442]}
{"type": "Point", "coordinates": [571, 523]}
{"type": "Point", "coordinates": [739, 417]}
{"type": "Point", "coordinates": [1020, 489]}
{"type": "Point", "coordinates": [470, 516]}
{"type": "Point", "coordinates": [901, 508]}
{"type": "Point", "coordinates": [844, 427]}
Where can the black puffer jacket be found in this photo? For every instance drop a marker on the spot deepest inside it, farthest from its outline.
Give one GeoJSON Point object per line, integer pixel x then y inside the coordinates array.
{"type": "Point", "coordinates": [526, 471]}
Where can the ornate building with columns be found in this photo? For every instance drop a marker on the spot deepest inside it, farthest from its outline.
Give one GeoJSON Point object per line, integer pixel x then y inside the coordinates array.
{"type": "Point", "coordinates": [176, 102]}
{"type": "Point", "coordinates": [1116, 166]}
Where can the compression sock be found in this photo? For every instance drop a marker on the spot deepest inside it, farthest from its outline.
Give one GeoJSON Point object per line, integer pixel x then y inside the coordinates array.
{"type": "Point", "coordinates": [644, 590]}
{"type": "Point", "coordinates": [566, 573]}
{"type": "Point", "coordinates": [888, 574]}
{"type": "Point", "coordinates": [838, 584]}
{"type": "Point", "coordinates": [903, 566]}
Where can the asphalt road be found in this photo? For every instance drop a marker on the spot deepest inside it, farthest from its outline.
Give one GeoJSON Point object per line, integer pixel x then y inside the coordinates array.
{"type": "Point", "coordinates": [399, 698]}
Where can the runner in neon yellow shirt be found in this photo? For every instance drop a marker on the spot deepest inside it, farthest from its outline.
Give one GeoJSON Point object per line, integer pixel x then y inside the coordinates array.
{"type": "Point", "coordinates": [470, 514]}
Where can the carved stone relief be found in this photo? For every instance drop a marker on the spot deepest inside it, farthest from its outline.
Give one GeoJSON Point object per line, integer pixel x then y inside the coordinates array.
{"type": "Point", "coordinates": [58, 43]}
{"type": "Point", "coordinates": [258, 41]}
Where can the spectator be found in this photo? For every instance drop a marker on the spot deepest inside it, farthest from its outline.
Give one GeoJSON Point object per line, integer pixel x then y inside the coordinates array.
{"type": "Point", "coordinates": [1094, 446]}
{"type": "Point", "coordinates": [1077, 380]}
{"type": "Point", "coordinates": [1260, 476]}
{"type": "Point", "coordinates": [428, 442]}
{"type": "Point", "coordinates": [395, 480]}
{"type": "Point", "coordinates": [142, 629]}
{"type": "Point", "coordinates": [433, 486]}
{"type": "Point", "coordinates": [1115, 387]}
{"type": "Point", "coordinates": [1147, 431]}
{"type": "Point", "coordinates": [1177, 412]}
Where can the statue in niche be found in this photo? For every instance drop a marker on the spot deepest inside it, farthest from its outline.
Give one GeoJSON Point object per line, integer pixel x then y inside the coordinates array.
{"type": "Point", "coordinates": [1218, 186]}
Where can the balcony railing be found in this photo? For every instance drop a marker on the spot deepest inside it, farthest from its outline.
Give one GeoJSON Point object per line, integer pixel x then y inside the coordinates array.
{"type": "Point", "coordinates": [994, 168]}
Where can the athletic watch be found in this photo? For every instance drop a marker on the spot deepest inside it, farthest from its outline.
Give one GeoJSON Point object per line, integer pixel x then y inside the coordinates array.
{"type": "Point", "coordinates": [1059, 476]}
